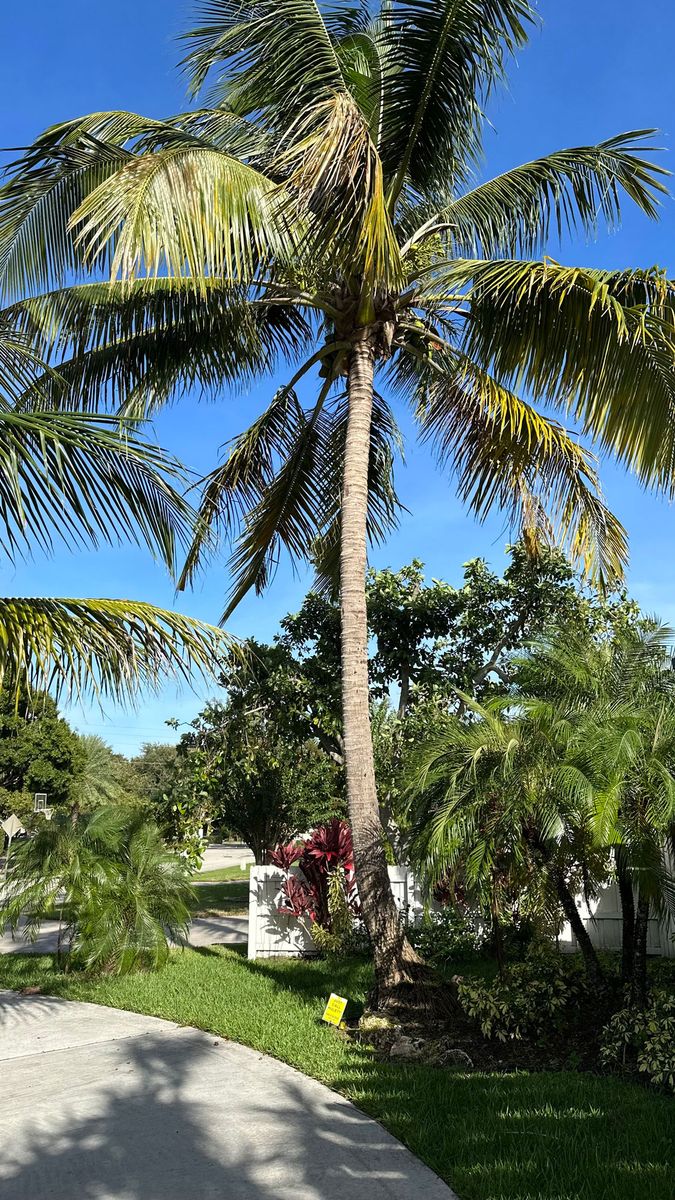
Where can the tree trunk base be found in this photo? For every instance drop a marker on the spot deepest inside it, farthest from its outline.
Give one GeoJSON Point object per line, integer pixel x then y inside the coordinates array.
{"type": "Point", "coordinates": [411, 991]}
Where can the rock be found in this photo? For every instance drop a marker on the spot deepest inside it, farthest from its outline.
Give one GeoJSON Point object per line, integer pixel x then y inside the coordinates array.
{"type": "Point", "coordinates": [455, 1058]}
{"type": "Point", "coordinates": [407, 1049]}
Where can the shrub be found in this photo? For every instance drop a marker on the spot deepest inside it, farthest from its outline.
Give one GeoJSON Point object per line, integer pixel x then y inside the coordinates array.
{"type": "Point", "coordinates": [108, 877]}
{"type": "Point", "coordinates": [446, 935]}
{"type": "Point", "coordinates": [530, 999]}
{"type": "Point", "coordinates": [643, 1040]}
{"type": "Point", "coordinates": [322, 893]}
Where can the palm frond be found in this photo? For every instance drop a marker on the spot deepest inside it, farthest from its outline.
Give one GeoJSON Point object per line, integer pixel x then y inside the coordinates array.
{"type": "Point", "coordinates": [281, 486]}
{"type": "Point", "coordinates": [132, 346]}
{"type": "Point", "coordinates": [102, 648]}
{"type": "Point", "coordinates": [86, 480]}
{"type": "Point", "coordinates": [276, 56]}
{"type": "Point", "coordinates": [38, 248]}
{"type": "Point", "coordinates": [443, 59]}
{"type": "Point", "coordinates": [599, 344]}
{"type": "Point", "coordinates": [569, 191]}
{"type": "Point", "coordinates": [187, 210]}
{"type": "Point", "coordinates": [332, 166]}
{"type": "Point", "coordinates": [506, 455]}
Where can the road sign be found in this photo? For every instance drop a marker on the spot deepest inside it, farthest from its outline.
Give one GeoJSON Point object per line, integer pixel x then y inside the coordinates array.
{"type": "Point", "coordinates": [12, 826]}
{"type": "Point", "coordinates": [335, 1009]}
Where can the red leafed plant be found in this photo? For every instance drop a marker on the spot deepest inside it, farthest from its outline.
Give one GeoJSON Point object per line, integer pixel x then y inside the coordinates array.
{"type": "Point", "coordinates": [325, 859]}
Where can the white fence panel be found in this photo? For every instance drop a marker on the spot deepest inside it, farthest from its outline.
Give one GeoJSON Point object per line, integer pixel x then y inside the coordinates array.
{"type": "Point", "coordinates": [602, 918]}
{"type": "Point", "coordinates": [272, 935]}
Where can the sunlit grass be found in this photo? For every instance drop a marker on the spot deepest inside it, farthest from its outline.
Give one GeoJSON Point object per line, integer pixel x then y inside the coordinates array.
{"type": "Point", "coordinates": [220, 899]}
{"type": "Point", "coordinates": [221, 875]}
{"type": "Point", "coordinates": [518, 1136]}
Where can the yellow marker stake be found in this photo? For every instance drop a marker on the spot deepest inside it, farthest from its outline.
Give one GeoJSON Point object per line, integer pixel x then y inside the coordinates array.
{"type": "Point", "coordinates": [334, 1010]}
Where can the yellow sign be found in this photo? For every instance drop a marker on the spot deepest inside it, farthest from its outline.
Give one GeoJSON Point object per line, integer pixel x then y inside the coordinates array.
{"type": "Point", "coordinates": [334, 1010]}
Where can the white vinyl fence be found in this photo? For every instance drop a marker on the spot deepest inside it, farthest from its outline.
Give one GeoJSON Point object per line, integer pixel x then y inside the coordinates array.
{"type": "Point", "coordinates": [602, 918]}
{"type": "Point", "coordinates": [273, 935]}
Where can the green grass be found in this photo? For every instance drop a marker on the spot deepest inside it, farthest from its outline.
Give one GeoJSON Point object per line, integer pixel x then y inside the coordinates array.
{"type": "Point", "coordinates": [518, 1136]}
{"type": "Point", "coordinates": [224, 899]}
{"type": "Point", "coordinates": [222, 875]}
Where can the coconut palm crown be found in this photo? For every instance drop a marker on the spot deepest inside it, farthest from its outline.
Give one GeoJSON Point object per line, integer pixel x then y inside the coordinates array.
{"type": "Point", "coordinates": [320, 207]}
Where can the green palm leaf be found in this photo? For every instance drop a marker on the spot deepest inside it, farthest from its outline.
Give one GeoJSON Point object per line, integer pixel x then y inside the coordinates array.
{"type": "Point", "coordinates": [570, 190]}
{"type": "Point", "coordinates": [85, 480]}
{"type": "Point", "coordinates": [188, 210]}
{"type": "Point", "coordinates": [131, 346]}
{"type": "Point", "coordinates": [595, 343]}
{"type": "Point", "coordinates": [280, 55]}
{"type": "Point", "coordinates": [444, 57]}
{"type": "Point", "coordinates": [102, 648]}
{"type": "Point", "coordinates": [506, 455]}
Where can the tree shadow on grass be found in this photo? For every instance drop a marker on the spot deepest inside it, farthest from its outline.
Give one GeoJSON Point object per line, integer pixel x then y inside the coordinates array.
{"type": "Point", "coordinates": [507, 1136]}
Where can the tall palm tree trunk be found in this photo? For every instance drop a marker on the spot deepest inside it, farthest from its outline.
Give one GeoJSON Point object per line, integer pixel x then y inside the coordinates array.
{"type": "Point", "coordinates": [393, 955]}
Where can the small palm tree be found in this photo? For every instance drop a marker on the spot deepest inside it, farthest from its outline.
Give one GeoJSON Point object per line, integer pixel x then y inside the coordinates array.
{"type": "Point", "coordinates": [578, 769]}
{"type": "Point", "coordinates": [118, 892]}
{"type": "Point", "coordinates": [54, 872]}
{"type": "Point", "coordinates": [320, 208]}
{"type": "Point", "coordinates": [142, 901]}
{"type": "Point", "coordinates": [616, 698]}
{"type": "Point", "coordinates": [501, 807]}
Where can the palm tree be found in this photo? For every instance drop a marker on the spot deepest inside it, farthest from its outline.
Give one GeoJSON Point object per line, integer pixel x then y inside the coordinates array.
{"type": "Point", "coordinates": [98, 782]}
{"type": "Point", "coordinates": [320, 208]}
{"type": "Point", "coordinates": [574, 767]}
{"type": "Point", "coordinates": [615, 700]}
{"type": "Point", "coordinates": [119, 892]}
{"type": "Point", "coordinates": [86, 479]}
{"type": "Point", "coordinates": [502, 807]}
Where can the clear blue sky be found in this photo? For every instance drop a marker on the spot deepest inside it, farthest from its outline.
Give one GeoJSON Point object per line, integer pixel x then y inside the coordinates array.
{"type": "Point", "coordinates": [596, 68]}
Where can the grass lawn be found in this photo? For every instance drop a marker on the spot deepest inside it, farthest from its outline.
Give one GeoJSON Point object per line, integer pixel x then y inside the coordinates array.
{"type": "Point", "coordinates": [222, 875]}
{"type": "Point", "coordinates": [221, 899]}
{"type": "Point", "coordinates": [518, 1136]}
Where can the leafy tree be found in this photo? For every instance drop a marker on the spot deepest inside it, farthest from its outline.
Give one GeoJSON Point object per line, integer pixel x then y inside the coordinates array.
{"type": "Point", "coordinates": [246, 773]}
{"type": "Point", "coordinates": [323, 211]}
{"type": "Point", "coordinates": [39, 752]}
{"type": "Point", "coordinates": [119, 893]}
{"type": "Point", "coordinates": [152, 776]}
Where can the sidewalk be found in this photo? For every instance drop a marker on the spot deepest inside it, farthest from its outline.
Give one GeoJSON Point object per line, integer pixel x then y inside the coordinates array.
{"type": "Point", "coordinates": [204, 931]}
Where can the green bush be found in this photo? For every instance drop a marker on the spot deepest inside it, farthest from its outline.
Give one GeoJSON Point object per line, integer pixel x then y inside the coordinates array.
{"type": "Point", "coordinates": [643, 1040]}
{"type": "Point", "coordinates": [446, 935]}
{"type": "Point", "coordinates": [530, 999]}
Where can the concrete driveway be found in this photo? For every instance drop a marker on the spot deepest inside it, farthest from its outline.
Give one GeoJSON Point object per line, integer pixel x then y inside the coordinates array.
{"type": "Point", "coordinates": [100, 1104]}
